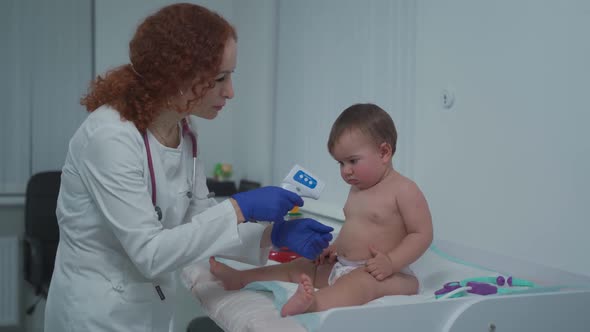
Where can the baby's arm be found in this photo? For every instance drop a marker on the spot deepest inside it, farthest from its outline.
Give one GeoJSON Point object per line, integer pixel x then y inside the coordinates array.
{"type": "Point", "coordinates": [327, 256]}
{"type": "Point", "coordinates": [415, 213]}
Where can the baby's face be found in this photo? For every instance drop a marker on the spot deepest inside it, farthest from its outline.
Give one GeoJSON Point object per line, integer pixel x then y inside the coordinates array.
{"type": "Point", "coordinates": [362, 163]}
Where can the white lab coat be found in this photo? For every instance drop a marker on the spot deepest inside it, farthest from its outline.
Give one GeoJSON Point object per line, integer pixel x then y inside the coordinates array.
{"type": "Point", "coordinates": [113, 251]}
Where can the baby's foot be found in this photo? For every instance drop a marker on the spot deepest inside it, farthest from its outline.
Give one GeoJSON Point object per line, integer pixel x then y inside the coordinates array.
{"type": "Point", "coordinates": [229, 277]}
{"type": "Point", "coordinates": [301, 300]}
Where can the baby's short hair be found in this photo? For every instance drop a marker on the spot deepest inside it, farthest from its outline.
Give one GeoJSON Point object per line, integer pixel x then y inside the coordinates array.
{"type": "Point", "coordinates": [370, 119]}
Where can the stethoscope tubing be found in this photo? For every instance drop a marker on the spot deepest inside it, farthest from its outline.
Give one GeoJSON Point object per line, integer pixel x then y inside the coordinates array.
{"type": "Point", "coordinates": [185, 131]}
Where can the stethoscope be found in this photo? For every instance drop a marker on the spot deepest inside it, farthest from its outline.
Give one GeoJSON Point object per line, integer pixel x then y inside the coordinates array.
{"type": "Point", "coordinates": [185, 131]}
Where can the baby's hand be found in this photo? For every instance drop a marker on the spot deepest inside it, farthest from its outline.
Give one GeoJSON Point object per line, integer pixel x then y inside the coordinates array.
{"type": "Point", "coordinates": [327, 256]}
{"type": "Point", "coordinates": [379, 266]}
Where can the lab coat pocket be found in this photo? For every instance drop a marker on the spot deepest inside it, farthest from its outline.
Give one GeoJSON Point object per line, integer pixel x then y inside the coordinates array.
{"type": "Point", "coordinates": [126, 312]}
{"type": "Point", "coordinates": [135, 292]}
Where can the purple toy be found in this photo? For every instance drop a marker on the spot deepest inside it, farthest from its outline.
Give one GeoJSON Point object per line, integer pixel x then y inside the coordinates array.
{"type": "Point", "coordinates": [448, 287]}
{"type": "Point", "coordinates": [481, 288]}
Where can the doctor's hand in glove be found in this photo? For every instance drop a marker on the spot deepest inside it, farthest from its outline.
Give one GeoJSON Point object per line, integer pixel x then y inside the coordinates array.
{"type": "Point", "coordinates": [305, 236]}
{"type": "Point", "coordinates": [266, 203]}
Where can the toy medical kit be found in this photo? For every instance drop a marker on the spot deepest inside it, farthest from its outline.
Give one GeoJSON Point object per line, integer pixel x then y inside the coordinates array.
{"type": "Point", "coordinates": [557, 302]}
{"type": "Point", "coordinates": [482, 286]}
{"type": "Point", "coordinates": [282, 255]}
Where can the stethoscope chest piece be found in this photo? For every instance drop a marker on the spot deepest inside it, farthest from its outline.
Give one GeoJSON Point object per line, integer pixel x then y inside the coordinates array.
{"type": "Point", "coordinates": [158, 212]}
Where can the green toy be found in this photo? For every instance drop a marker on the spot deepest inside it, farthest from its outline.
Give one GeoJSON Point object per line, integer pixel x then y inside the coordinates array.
{"type": "Point", "coordinates": [222, 171]}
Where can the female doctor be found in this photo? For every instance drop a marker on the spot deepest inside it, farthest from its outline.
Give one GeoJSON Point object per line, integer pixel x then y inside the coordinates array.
{"type": "Point", "coordinates": [133, 205]}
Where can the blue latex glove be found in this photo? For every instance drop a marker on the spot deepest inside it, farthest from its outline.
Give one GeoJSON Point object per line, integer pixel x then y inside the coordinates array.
{"type": "Point", "coordinates": [305, 236]}
{"type": "Point", "coordinates": [267, 203]}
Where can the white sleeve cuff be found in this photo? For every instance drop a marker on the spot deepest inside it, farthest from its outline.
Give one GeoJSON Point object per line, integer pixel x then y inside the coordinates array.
{"type": "Point", "coordinates": [249, 251]}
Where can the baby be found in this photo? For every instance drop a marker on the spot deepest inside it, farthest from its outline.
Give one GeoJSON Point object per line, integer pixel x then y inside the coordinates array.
{"type": "Point", "coordinates": [387, 225]}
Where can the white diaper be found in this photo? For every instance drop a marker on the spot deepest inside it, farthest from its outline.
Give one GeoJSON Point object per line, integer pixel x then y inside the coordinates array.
{"type": "Point", "coordinates": [344, 266]}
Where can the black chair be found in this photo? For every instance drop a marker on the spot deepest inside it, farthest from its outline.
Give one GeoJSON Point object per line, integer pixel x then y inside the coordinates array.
{"type": "Point", "coordinates": [41, 231]}
{"type": "Point", "coordinates": [221, 188]}
{"type": "Point", "coordinates": [203, 324]}
{"type": "Point", "coordinates": [246, 185]}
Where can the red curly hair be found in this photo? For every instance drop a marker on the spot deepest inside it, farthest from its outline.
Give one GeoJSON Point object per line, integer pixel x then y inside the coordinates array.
{"type": "Point", "coordinates": [178, 46]}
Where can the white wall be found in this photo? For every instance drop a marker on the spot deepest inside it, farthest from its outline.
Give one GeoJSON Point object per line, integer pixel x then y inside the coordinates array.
{"type": "Point", "coordinates": [45, 64]}
{"type": "Point", "coordinates": [45, 58]}
{"type": "Point", "coordinates": [506, 168]}
{"type": "Point", "coordinates": [253, 106]}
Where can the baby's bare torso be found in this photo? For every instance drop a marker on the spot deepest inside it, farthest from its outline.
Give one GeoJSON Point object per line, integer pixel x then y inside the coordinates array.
{"type": "Point", "coordinates": [372, 218]}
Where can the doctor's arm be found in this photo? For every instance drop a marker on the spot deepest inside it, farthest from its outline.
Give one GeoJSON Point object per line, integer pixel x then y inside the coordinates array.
{"type": "Point", "coordinates": [111, 165]}
{"type": "Point", "coordinates": [263, 204]}
{"type": "Point", "coordinates": [307, 237]}
{"type": "Point", "coordinates": [112, 168]}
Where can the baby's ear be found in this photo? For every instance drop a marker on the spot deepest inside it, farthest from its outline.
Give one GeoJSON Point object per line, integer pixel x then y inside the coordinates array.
{"type": "Point", "coordinates": [385, 151]}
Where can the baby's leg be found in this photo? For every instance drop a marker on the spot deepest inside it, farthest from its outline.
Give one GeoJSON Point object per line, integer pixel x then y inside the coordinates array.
{"type": "Point", "coordinates": [359, 287]}
{"type": "Point", "coordinates": [233, 279]}
{"type": "Point", "coordinates": [304, 297]}
{"type": "Point", "coordinates": [301, 300]}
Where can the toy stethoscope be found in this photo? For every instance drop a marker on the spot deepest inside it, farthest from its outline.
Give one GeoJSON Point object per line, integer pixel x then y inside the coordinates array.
{"type": "Point", "coordinates": [482, 286]}
{"type": "Point", "coordinates": [185, 131]}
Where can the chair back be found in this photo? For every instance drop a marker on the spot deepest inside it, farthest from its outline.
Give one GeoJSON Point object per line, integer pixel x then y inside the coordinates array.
{"type": "Point", "coordinates": [41, 229]}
